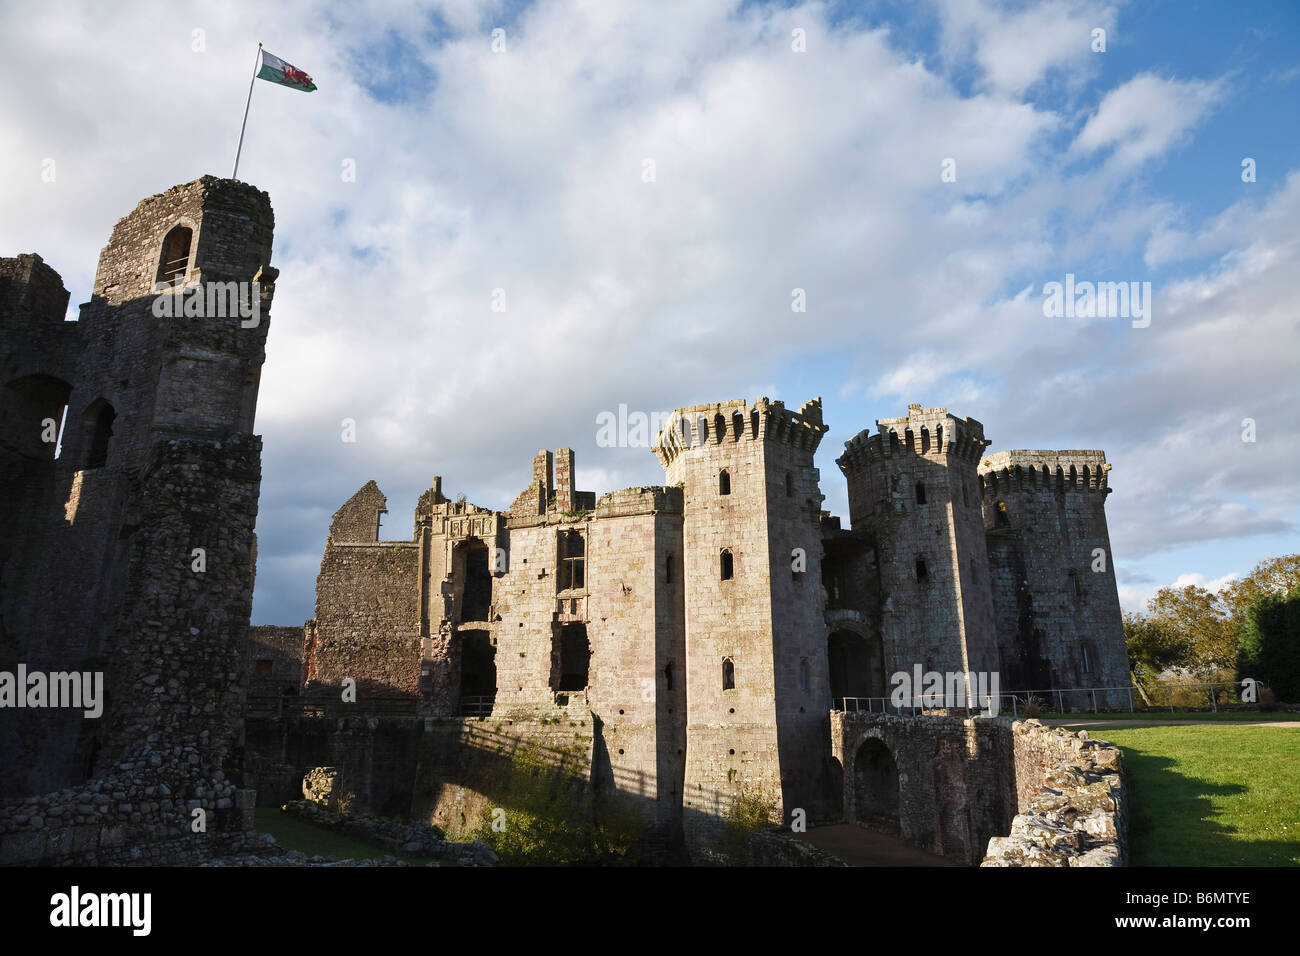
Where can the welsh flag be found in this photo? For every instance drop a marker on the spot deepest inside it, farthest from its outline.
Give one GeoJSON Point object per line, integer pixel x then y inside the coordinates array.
{"type": "Point", "coordinates": [277, 71]}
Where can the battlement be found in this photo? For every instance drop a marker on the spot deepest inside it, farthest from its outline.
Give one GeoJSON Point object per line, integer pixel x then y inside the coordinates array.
{"type": "Point", "coordinates": [207, 230]}
{"type": "Point", "coordinates": [639, 501]}
{"type": "Point", "coordinates": [932, 432]}
{"type": "Point", "coordinates": [737, 420]}
{"type": "Point", "coordinates": [1084, 470]}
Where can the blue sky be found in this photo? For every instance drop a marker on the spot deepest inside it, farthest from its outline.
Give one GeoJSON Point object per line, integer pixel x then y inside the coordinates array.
{"type": "Point", "coordinates": [524, 170]}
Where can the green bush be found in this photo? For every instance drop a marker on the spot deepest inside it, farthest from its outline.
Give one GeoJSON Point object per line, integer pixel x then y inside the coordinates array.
{"type": "Point", "coordinates": [1270, 644]}
{"type": "Point", "coordinates": [550, 819]}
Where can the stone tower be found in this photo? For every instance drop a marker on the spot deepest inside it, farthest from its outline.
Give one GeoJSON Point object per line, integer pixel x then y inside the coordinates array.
{"type": "Point", "coordinates": [157, 385]}
{"type": "Point", "coordinates": [1054, 590]}
{"type": "Point", "coordinates": [913, 486]}
{"type": "Point", "coordinates": [757, 688]}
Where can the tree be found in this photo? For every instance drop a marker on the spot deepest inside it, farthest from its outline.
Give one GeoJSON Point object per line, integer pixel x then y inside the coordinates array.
{"type": "Point", "coordinates": [1271, 576]}
{"type": "Point", "coordinates": [1204, 625]}
{"type": "Point", "coordinates": [1270, 643]}
{"type": "Point", "coordinates": [1153, 647]}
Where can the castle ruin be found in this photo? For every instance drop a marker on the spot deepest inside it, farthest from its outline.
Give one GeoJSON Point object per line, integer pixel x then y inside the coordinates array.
{"type": "Point", "coordinates": [704, 629]}
{"type": "Point", "coordinates": [681, 647]}
{"type": "Point", "coordinates": [130, 478]}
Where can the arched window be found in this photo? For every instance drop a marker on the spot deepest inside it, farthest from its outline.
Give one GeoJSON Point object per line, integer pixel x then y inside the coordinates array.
{"type": "Point", "coordinates": [920, 492]}
{"type": "Point", "coordinates": [175, 259]}
{"type": "Point", "coordinates": [724, 482]}
{"type": "Point", "coordinates": [668, 676]}
{"type": "Point", "coordinates": [728, 566]}
{"type": "Point", "coordinates": [728, 674]}
{"type": "Point", "coordinates": [789, 485]}
{"type": "Point", "coordinates": [96, 430]}
{"type": "Point", "coordinates": [922, 572]}
{"type": "Point", "coordinates": [668, 569]}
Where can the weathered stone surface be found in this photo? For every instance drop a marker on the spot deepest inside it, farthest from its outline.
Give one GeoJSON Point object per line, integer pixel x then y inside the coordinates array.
{"type": "Point", "coordinates": [157, 460]}
{"type": "Point", "coordinates": [1073, 806]}
{"type": "Point", "coordinates": [483, 613]}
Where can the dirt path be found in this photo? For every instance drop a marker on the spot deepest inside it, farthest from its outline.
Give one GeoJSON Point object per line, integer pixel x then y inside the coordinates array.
{"type": "Point", "coordinates": [858, 846]}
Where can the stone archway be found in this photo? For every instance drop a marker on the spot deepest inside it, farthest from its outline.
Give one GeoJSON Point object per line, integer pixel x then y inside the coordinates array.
{"type": "Point", "coordinates": [875, 787]}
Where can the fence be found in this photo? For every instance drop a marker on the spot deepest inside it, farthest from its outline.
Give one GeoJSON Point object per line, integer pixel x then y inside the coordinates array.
{"type": "Point", "coordinates": [1164, 695]}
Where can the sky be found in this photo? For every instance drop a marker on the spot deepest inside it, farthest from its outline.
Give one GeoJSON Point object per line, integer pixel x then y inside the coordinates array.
{"type": "Point", "coordinates": [496, 222]}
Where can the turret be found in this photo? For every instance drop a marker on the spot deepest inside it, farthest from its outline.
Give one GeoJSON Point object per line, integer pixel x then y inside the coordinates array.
{"type": "Point", "coordinates": [913, 486]}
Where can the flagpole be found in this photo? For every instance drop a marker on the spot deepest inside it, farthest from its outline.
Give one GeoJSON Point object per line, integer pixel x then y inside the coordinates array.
{"type": "Point", "coordinates": [253, 79]}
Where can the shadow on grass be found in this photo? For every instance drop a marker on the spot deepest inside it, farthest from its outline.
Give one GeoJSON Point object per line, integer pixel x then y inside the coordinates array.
{"type": "Point", "coordinates": [1172, 819]}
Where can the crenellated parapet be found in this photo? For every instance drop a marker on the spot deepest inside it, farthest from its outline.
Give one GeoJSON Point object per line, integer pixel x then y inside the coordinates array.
{"type": "Point", "coordinates": [718, 423]}
{"type": "Point", "coordinates": [1044, 470]}
{"type": "Point", "coordinates": [929, 432]}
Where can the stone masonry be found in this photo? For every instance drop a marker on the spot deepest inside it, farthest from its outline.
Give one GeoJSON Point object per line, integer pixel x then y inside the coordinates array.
{"type": "Point", "coordinates": [129, 548]}
{"type": "Point", "coordinates": [708, 627]}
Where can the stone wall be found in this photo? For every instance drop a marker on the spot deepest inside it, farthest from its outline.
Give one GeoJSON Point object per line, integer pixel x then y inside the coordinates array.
{"type": "Point", "coordinates": [145, 519]}
{"type": "Point", "coordinates": [695, 625]}
{"type": "Point", "coordinates": [273, 660]}
{"type": "Point", "coordinates": [367, 624]}
{"type": "Point", "coordinates": [1072, 799]}
{"type": "Point", "coordinates": [166, 746]}
{"type": "Point", "coordinates": [959, 784]}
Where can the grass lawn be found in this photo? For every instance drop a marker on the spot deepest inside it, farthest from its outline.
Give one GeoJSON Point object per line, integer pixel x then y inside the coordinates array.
{"type": "Point", "coordinates": [1227, 715]}
{"type": "Point", "coordinates": [1212, 796]}
{"type": "Point", "coordinates": [293, 833]}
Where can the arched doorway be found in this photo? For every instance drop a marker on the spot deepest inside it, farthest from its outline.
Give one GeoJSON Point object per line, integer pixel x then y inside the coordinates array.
{"type": "Point", "coordinates": [856, 667]}
{"type": "Point", "coordinates": [875, 787]}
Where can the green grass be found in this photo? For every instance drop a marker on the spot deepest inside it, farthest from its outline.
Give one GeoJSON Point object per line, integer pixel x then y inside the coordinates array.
{"type": "Point", "coordinates": [294, 833]}
{"type": "Point", "coordinates": [1225, 715]}
{"type": "Point", "coordinates": [1212, 796]}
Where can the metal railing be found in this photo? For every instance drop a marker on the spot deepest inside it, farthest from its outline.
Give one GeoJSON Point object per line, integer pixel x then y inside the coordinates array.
{"type": "Point", "coordinates": [318, 706]}
{"type": "Point", "coordinates": [175, 269]}
{"type": "Point", "coordinates": [1165, 695]}
{"type": "Point", "coordinates": [480, 706]}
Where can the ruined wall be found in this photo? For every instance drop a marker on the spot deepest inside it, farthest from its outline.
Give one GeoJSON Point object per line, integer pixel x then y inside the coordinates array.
{"type": "Point", "coordinates": [955, 778]}
{"type": "Point", "coordinates": [156, 461]}
{"type": "Point", "coordinates": [1060, 623]}
{"type": "Point", "coordinates": [704, 690]}
{"type": "Point", "coordinates": [962, 784]}
{"type": "Point", "coordinates": [273, 660]}
{"type": "Point", "coordinates": [175, 678]}
{"type": "Point", "coordinates": [367, 620]}
{"type": "Point", "coordinates": [1072, 801]}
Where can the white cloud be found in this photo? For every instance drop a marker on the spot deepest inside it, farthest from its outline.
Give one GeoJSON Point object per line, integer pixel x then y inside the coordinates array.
{"type": "Point", "coordinates": [775, 170]}
{"type": "Point", "coordinates": [1017, 47]}
{"type": "Point", "coordinates": [1146, 116]}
